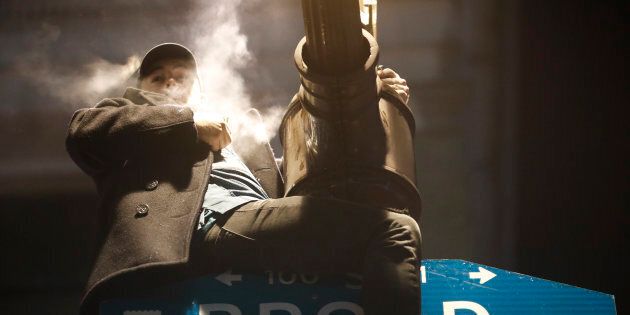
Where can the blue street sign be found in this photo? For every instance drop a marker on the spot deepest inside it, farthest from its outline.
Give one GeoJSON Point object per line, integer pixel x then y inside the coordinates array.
{"type": "Point", "coordinates": [449, 287]}
{"type": "Point", "coordinates": [234, 293]}
{"type": "Point", "coordinates": [459, 287]}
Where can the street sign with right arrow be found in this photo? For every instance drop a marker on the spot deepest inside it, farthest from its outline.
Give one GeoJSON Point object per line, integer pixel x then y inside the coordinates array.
{"type": "Point", "coordinates": [484, 275]}
{"type": "Point", "coordinates": [452, 287]}
{"type": "Point", "coordinates": [449, 287]}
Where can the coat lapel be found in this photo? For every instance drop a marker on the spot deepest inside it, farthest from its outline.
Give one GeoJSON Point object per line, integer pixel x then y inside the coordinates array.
{"type": "Point", "coordinates": [258, 156]}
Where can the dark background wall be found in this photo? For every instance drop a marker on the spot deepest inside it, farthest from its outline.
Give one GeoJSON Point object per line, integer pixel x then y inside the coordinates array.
{"type": "Point", "coordinates": [520, 109]}
{"type": "Point", "coordinates": [573, 138]}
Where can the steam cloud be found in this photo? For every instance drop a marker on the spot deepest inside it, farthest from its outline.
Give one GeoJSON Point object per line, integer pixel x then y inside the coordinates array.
{"type": "Point", "coordinates": [221, 51]}
{"type": "Point", "coordinates": [93, 80]}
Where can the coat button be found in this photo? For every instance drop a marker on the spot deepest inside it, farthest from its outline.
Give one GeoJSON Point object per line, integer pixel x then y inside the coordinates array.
{"type": "Point", "coordinates": [142, 209]}
{"type": "Point", "coordinates": [152, 184]}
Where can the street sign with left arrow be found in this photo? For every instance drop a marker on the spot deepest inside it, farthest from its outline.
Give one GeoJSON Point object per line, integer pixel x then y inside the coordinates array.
{"type": "Point", "coordinates": [228, 277]}
{"type": "Point", "coordinates": [449, 287]}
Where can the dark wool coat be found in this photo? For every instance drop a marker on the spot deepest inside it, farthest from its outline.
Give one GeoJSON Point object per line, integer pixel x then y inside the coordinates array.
{"type": "Point", "coordinates": [151, 174]}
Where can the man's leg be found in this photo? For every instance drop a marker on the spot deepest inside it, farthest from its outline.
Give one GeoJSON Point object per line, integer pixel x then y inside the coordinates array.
{"type": "Point", "coordinates": [305, 234]}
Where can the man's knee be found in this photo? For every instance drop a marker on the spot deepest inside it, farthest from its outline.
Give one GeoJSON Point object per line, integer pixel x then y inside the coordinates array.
{"type": "Point", "coordinates": [408, 227]}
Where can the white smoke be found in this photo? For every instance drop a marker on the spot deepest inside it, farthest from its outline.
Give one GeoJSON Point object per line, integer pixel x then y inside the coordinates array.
{"type": "Point", "coordinates": [221, 51]}
{"type": "Point", "coordinates": [78, 88]}
{"type": "Point", "coordinates": [101, 76]}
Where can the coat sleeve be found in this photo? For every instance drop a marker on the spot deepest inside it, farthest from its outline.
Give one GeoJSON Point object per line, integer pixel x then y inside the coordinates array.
{"type": "Point", "coordinates": [115, 130]}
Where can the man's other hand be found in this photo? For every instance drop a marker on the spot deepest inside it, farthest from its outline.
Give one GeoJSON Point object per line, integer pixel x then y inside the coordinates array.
{"type": "Point", "coordinates": [212, 130]}
{"type": "Point", "coordinates": [393, 84]}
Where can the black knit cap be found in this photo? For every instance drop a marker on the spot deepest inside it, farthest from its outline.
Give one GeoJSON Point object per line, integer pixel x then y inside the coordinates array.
{"type": "Point", "coordinates": [165, 51]}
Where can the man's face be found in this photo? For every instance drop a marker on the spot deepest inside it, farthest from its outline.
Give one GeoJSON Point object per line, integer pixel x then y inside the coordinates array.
{"type": "Point", "coordinates": [171, 77]}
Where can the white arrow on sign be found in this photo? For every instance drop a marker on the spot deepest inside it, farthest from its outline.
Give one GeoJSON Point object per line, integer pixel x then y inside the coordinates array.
{"type": "Point", "coordinates": [483, 275]}
{"type": "Point", "coordinates": [227, 277]}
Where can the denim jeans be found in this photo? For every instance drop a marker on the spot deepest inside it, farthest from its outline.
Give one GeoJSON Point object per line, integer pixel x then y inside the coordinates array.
{"type": "Point", "coordinates": [318, 235]}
